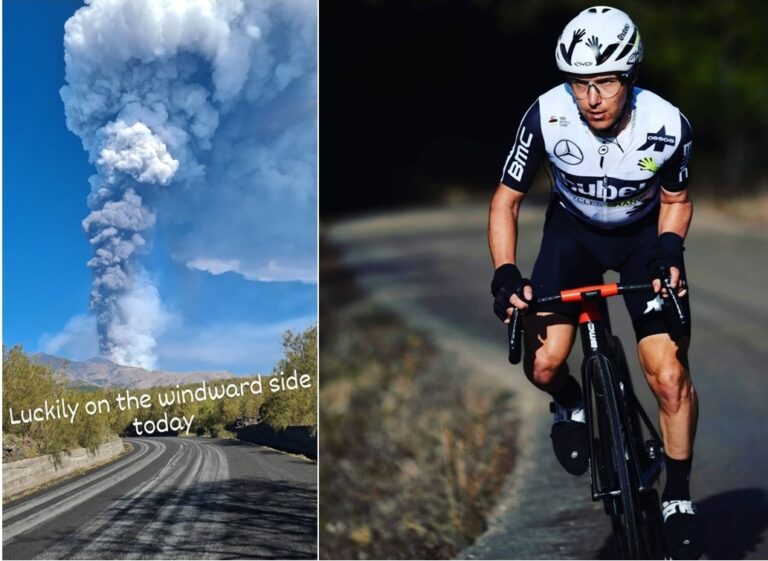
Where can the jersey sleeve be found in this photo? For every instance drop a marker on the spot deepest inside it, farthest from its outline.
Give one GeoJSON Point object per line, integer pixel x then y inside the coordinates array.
{"type": "Point", "coordinates": [526, 154]}
{"type": "Point", "coordinates": [674, 172]}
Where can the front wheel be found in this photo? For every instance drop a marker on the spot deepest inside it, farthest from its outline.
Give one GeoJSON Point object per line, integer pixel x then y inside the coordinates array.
{"type": "Point", "coordinates": [624, 505]}
{"type": "Point", "coordinates": [646, 446]}
{"type": "Point", "coordinates": [628, 391]}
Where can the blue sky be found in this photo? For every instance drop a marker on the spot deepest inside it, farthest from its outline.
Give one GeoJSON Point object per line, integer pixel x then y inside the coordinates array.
{"type": "Point", "coordinates": [208, 250]}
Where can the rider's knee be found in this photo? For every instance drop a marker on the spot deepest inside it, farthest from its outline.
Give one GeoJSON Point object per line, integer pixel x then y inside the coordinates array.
{"type": "Point", "coordinates": [672, 385]}
{"type": "Point", "coordinates": [544, 369]}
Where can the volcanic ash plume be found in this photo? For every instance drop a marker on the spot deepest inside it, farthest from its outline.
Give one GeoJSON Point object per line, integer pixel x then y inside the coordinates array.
{"type": "Point", "coordinates": [128, 157]}
{"type": "Point", "coordinates": [147, 83]}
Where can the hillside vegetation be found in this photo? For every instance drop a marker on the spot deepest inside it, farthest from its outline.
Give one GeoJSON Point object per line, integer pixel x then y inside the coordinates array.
{"type": "Point", "coordinates": [413, 454]}
{"type": "Point", "coordinates": [27, 386]}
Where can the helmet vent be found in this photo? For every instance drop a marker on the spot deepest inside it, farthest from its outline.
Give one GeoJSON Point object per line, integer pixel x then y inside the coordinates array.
{"type": "Point", "coordinates": [592, 10]}
{"type": "Point", "coordinates": [605, 55]}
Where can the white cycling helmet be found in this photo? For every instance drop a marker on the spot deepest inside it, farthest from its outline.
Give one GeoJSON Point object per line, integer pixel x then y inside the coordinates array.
{"type": "Point", "coordinates": [599, 39]}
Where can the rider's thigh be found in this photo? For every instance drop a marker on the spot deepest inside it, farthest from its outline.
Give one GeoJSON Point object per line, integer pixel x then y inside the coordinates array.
{"type": "Point", "coordinates": [548, 342]}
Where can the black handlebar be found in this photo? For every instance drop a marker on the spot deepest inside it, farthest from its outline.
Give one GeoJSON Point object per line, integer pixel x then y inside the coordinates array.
{"type": "Point", "coordinates": [515, 332]}
{"type": "Point", "coordinates": [515, 326]}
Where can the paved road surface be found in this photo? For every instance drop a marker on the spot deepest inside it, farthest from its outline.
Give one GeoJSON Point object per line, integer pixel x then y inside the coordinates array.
{"type": "Point", "coordinates": [433, 267]}
{"type": "Point", "coordinates": [173, 498]}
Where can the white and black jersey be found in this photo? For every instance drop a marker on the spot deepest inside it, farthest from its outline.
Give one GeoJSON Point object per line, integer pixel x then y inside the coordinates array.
{"type": "Point", "coordinates": [607, 182]}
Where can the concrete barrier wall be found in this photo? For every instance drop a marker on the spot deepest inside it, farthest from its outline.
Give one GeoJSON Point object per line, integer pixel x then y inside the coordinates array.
{"type": "Point", "coordinates": [299, 440]}
{"type": "Point", "coordinates": [22, 475]}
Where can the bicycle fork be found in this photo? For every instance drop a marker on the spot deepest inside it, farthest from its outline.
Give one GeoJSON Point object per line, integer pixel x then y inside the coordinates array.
{"type": "Point", "coordinates": [594, 339]}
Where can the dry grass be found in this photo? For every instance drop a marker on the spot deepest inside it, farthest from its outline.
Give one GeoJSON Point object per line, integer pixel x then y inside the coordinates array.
{"type": "Point", "coordinates": [747, 212]}
{"type": "Point", "coordinates": [737, 214]}
{"type": "Point", "coordinates": [413, 454]}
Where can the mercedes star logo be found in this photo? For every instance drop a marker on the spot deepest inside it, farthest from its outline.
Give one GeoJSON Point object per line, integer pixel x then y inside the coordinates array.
{"type": "Point", "coordinates": [569, 152]}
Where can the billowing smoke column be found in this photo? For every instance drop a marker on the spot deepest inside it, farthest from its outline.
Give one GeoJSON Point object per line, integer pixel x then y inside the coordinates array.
{"type": "Point", "coordinates": [147, 84]}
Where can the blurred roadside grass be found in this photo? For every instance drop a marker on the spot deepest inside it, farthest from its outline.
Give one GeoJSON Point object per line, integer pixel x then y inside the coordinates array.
{"type": "Point", "coordinates": [413, 451]}
{"type": "Point", "coordinates": [742, 212]}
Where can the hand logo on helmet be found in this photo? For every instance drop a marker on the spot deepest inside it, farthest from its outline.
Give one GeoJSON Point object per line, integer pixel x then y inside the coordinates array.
{"type": "Point", "coordinates": [577, 35]}
{"type": "Point", "coordinates": [595, 45]}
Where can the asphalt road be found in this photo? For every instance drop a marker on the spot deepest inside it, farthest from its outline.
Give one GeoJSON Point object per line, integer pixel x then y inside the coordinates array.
{"type": "Point", "coordinates": [173, 498]}
{"type": "Point", "coordinates": [433, 268]}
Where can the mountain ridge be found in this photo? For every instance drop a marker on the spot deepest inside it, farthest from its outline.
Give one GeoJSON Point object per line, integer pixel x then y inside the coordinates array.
{"type": "Point", "coordinates": [102, 372]}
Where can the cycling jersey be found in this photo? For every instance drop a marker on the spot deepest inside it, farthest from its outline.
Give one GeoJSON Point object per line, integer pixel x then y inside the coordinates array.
{"type": "Point", "coordinates": [605, 181]}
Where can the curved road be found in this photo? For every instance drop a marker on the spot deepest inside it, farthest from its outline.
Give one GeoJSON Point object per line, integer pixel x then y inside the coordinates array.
{"type": "Point", "coordinates": [433, 267]}
{"type": "Point", "coordinates": [173, 498]}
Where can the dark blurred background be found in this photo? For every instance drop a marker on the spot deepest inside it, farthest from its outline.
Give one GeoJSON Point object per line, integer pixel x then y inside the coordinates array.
{"type": "Point", "coordinates": [420, 99]}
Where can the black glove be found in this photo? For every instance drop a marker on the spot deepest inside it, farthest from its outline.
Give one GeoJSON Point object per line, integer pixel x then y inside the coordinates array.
{"type": "Point", "coordinates": [507, 281]}
{"type": "Point", "coordinates": [665, 252]}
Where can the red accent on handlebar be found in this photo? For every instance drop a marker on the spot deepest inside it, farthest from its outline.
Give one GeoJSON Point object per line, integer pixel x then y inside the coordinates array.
{"type": "Point", "coordinates": [577, 294]}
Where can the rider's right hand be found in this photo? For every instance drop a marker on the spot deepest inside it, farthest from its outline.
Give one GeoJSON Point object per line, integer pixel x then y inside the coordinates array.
{"type": "Point", "coordinates": [510, 290]}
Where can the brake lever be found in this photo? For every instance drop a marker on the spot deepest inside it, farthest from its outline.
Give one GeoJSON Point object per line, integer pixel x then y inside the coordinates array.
{"type": "Point", "coordinates": [666, 281]}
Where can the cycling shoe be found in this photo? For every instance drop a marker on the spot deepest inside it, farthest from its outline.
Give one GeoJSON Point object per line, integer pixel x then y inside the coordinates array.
{"type": "Point", "coordinates": [570, 438]}
{"type": "Point", "coordinates": [683, 529]}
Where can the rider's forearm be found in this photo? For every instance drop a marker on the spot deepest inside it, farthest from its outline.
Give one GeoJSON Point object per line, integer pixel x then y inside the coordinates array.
{"type": "Point", "coordinates": [502, 226]}
{"type": "Point", "coordinates": [675, 213]}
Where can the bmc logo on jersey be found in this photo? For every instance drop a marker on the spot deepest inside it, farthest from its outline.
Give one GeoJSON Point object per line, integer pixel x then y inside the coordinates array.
{"type": "Point", "coordinates": [683, 174]}
{"type": "Point", "coordinates": [659, 140]}
{"type": "Point", "coordinates": [519, 155]}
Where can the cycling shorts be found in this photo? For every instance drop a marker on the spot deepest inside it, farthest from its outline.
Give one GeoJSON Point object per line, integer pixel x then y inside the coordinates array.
{"type": "Point", "coordinates": [575, 254]}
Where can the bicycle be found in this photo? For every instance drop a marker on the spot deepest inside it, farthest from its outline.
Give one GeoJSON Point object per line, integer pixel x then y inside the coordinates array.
{"type": "Point", "coordinates": [626, 452]}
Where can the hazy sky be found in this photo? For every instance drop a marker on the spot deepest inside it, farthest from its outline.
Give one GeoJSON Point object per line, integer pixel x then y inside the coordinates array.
{"type": "Point", "coordinates": [232, 252]}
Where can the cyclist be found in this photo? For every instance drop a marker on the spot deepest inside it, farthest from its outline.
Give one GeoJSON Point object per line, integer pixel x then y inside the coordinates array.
{"type": "Point", "coordinates": [619, 160]}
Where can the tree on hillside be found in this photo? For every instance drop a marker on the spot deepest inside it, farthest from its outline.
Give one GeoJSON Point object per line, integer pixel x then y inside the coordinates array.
{"type": "Point", "coordinates": [295, 407]}
{"type": "Point", "coordinates": [27, 386]}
